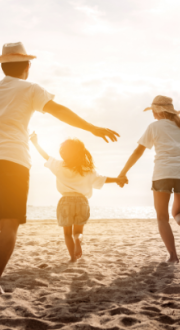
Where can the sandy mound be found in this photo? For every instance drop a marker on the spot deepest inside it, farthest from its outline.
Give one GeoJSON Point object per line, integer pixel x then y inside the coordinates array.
{"type": "Point", "coordinates": [121, 282]}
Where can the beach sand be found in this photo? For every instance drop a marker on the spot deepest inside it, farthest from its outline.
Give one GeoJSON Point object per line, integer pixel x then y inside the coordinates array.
{"type": "Point", "coordinates": [121, 282]}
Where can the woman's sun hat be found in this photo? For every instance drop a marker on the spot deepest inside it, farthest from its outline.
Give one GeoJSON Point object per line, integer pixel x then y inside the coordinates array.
{"type": "Point", "coordinates": [14, 52]}
{"type": "Point", "coordinates": [161, 104]}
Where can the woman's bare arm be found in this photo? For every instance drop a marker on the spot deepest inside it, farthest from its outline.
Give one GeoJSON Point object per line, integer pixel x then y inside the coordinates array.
{"type": "Point", "coordinates": [138, 152]}
{"type": "Point", "coordinates": [66, 115]}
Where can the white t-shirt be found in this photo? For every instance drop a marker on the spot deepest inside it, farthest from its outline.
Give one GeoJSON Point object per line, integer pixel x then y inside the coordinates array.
{"type": "Point", "coordinates": [18, 101]}
{"type": "Point", "coordinates": [164, 135]}
{"type": "Point", "coordinates": [68, 181]}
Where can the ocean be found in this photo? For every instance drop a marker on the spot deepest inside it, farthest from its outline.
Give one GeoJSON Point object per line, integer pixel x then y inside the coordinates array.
{"type": "Point", "coordinates": [141, 212]}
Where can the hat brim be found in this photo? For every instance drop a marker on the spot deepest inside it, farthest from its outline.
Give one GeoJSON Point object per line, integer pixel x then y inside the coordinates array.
{"type": "Point", "coordinates": [15, 58]}
{"type": "Point", "coordinates": [159, 109]}
{"type": "Point", "coordinates": [149, 108]}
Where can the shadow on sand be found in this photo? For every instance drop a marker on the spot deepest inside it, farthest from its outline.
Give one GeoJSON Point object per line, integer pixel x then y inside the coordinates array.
{"type": "Point", "coordinates": [68, 297]}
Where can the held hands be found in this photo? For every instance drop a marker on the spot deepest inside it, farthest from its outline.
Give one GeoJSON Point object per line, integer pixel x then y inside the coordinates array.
{"type": "Point", "coordinates": [33, 137]}
{"type": "Point", "coordinates": [122, 180]}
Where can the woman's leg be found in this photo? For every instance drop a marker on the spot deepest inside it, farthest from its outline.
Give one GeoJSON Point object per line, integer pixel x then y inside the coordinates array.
{"type": "Point", "coordinates": [69, 242]}
{"type": "Point", "coordinates": [77, 233]}
{"type": "Point", "coordinates": [161, 202]}
{"type": "Point", "coordinates": [176, 208]}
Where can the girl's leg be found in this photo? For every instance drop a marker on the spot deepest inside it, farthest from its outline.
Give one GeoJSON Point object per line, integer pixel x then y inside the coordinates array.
{"type": "Point", "coordinates": [161, 202]}
{"type": "Point", "coordinates": [69, 242]}
{"type": "Point", "coordinates": [77, 233]}
{"type": "Point", "coordinates": [176, 208]}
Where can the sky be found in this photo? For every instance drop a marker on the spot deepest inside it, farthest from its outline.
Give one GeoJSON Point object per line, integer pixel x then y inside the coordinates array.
{"type": "Point", "coordinates": [106, 61]}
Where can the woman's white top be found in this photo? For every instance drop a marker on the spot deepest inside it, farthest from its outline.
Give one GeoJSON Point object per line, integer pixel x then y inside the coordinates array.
{"type": "Point", "coordinates": [18, 100]}
{"type": "Point", "coordinates": [68, 181]}
{"type": "Point", "coordinates": [164, 135]}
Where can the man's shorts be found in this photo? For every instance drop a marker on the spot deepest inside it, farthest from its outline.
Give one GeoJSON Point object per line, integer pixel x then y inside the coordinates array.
{"type": "Point", "coordinates": [167, 185]}
{"type": "Point", "coordinates": [14, 186]}
{"type": "Point", "coordinates": [73, 210]}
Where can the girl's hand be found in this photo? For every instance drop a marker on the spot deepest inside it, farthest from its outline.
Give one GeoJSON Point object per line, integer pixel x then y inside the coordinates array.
{"type": "Point", "coordinates": [33, 137]}
{"type": "Point", "coordinates": [122, 180]}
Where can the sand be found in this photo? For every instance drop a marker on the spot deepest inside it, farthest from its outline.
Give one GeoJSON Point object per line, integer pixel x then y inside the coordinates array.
{"type": "Point", "coordinates": [121, 282]}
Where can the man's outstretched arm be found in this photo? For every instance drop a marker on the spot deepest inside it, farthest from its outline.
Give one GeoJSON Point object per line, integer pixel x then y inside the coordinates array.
{"type": "Point", "coordinates": [66, 115]}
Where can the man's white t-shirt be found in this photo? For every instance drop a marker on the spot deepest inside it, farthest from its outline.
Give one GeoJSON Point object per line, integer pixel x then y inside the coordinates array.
{"type": "Point", "coordinates": [18, 101]}
{"type": "Point", "coordinates": [68, 181]}
{"type": "Point", "coordinates": [164, 135]}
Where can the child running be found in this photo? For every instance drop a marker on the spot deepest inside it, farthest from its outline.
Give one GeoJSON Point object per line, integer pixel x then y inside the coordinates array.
{"type": "Point", "coordinates": [164, 135]}
{"type": "Point", "coordinates": [75, 179]}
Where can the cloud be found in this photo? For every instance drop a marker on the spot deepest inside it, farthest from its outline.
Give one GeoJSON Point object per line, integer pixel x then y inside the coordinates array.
{"type": "Point", "coordinates": [96, 83]}
{"type": "Point", "coordinates": [95, 19]}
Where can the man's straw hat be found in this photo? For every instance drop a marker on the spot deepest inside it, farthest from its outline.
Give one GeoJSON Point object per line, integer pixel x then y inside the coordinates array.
{"type": "Point", "coordinates": [14, 52]}
{"type": "Point", "coordinates": [161, 104]}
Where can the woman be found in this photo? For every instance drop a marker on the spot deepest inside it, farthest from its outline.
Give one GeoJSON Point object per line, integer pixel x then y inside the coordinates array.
{"type": "Point", "coordinates": [164, 135]}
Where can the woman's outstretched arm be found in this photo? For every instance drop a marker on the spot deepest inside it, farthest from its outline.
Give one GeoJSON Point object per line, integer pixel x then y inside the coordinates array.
{"type": "Point", "coordinates": [138, 152]}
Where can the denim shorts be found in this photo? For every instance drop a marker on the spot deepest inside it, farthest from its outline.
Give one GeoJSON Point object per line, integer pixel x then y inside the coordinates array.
{"type": "Point", "coordinates": [167, 185]}
{"type": "Point", "coordinates": [73, 210]}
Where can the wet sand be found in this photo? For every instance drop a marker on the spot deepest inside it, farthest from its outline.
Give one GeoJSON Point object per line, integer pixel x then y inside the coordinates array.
{"type": "Point", "coordinates": [120, 282]}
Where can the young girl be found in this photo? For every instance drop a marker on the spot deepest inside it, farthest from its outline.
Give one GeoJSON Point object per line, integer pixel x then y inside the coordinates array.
{"type": "Point", "coordinates": [75, 179]}
{"type": "Point", "coordinates": [164, 134]}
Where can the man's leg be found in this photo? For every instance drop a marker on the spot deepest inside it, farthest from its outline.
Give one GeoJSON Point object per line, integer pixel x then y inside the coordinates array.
{"type": "Point", "coordinates": [14, 186]}
{"type": "Point", "coordinates": [8, 235]}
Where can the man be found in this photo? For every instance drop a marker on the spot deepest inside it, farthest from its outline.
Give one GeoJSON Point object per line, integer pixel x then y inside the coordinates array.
{"type": "Point", "coordinates": [18, 101]}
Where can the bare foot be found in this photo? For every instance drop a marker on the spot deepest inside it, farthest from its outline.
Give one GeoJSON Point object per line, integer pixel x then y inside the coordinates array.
{"type": "Point", "coordinates": [78, 249]}
{"type": "Point", "coordinates": [1, 290]}
{"type": "Point", "coordinates": [173, 259]}
{"type": "Point", "coordinates": [74, 259]}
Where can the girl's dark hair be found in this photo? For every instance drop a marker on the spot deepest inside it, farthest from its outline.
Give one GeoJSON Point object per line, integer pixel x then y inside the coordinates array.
{"type": "Point", "coordinates": [76, 157]}
{"type": "Point", "coordinates": [14, 69]}
{"type": "Point", "coordinates": [172, 117]}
